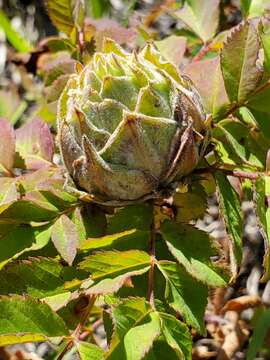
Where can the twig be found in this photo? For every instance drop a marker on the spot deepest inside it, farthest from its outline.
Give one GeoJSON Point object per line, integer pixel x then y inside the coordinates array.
{"type": "Point", "coordinates": [244, 174]}
{"type": "Point", "coordinates": [81, 41]}
{"type": "Point", "coordinates": [152, 252]}
{"type": "Point", "coordinates": [233, 108]}
{"type": "Point", "coordinates": [85, 316]}
{"type": "Point", "coordinates": [76, 334]}
{"type": "Point", "coordinates": [65, 350]}
{"type": "Point", "coordinates": [203, 51]}
{"type": "Point", "coordinates": [237, 173]}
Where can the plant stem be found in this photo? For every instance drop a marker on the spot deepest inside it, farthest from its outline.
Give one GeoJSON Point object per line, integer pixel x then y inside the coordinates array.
{"type": "Point", "coordinates": [244, 174]}
{"type": "Point", "coordinates": [85, 316]}
{"type": "Point", "coordinates": [76, 334]}
{"type": "Point", "coordinates": [237, 173]}
{"type": "Point", "coordinates": [152, 252]}
{"type": "Point", "coordinates": [203, 51]}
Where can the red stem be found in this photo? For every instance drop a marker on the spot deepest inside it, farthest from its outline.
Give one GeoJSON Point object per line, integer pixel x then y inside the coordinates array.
{"type": "Point", "coordinates": [152, 253]}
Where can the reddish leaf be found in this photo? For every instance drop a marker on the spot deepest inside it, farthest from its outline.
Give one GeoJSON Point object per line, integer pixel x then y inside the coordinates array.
{"type": "Point", "coordinates": [65, 238]}
{"type": "Point", "coordinates": [34, 143]}
{"type": "Point", "coordinates": [110, 28]}
{"type": "Point", "coordinates": [207, 77]}
{"type": "Point", "coordinates": [173, 48]}
{"type": "Point", "coordinates": [7, 145]}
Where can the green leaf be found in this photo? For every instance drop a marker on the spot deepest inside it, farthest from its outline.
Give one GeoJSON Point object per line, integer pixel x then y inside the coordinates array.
{"type": "Point", "coordinates": [108, 325]}
{"type": "Point", "coordinates": [90, 221]}
{"type": "Point", "coordinates": [139, 339]}
{"type": "Point", "coordinates": [245, 145]}
{"type": "Point", "coordinates": [172, 48]}
{"type": "Point", "coordinates": [55, 201]}
{"type": "Point", "coordinates": [116, 262]}
{"type": "Point", "coordinates": [180, 294]}
{"type": "Point", "coordinates": [88, 351]}
{"type": "Point", "coordinates": [262, 192]}
{"type": "Point", "coordinates": [201, 17]}
{"type": "Point", "coordinates": [42, 235]}
{"type": "Point", "coordinates": [239, 58]}
{"type": "Point", "coordinates": [24, 320]}
{"type": "Point", "coordinates": [254, 8]}
{"type": "Point", "coordinates": [7, 145]}
{"type": "Point", "coordinates": [261, 328]}
{"type": "Point", "coordinates": [98, 243]}
{"type": "Point", "coordinates": [8, 192]}
{"type": "Point", "coordinates": [11, 105]}
{"type": "Point", "coordinates": [15, 39]}
{"type": "Point", "coordinates": [110, 269]}
{"type": "Point", "coordinates": [9, 234]}
{"type": "Point", "coordinates": [245, 4]}
{"type": "Point", "coordinates": [98, 8]}
{"type": "Point", "coordinates": [136, 327]}
{"type": "Point", "coordinates": [58, 44]}
{"type": "Point", "coordinates": [177, 335]}
{"type": "Point", "coordinates": [65, 238]}
{"type": "Point", "coordinates": [25, 211]}
{"type": "Point", "coordinates": [120, 241]}
{"type": "Point", "coordinates": [31, 239]}
{"type": "Point", "coordinates": [131, 217]}
{"type": "Point", "coordinates": [190, 205]}
{"type": "Point", "coordinates": [37, 277]}
{"type": "Point", "coordinates": [66, 14]}
{"type": "Point", "coordinates": [207, 76]}
{"type": "Point", "coordinates": [230, 208]}
{"type": "Point", "coordinates": [161, 350]}
{"type": "Point", "coordinates": [262, 196]}
{"type": "Point", "coordinates": [264, 31]}
{"type": "Point", "coordinates": [193, 248]}
{"type": "Point", "coordinates": [260, 101]}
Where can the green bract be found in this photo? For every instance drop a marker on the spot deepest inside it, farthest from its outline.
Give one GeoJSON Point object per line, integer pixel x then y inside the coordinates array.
{"type": "Point", "coordinates": [129, 126]}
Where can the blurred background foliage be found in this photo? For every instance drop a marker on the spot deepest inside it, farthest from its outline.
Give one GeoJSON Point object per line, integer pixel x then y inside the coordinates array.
{"type": "Point", "coordinates": [25, 29]}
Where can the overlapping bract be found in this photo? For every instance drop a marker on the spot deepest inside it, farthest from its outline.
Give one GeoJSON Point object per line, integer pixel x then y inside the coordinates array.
{"type": "Point", "coordinates": [129, 126]}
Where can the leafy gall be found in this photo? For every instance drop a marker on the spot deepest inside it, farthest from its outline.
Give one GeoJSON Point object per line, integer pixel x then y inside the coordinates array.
{"type": "Point", "coordinates": [130, 126]}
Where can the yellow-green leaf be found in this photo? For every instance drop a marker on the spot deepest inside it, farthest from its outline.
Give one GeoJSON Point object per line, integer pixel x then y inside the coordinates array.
{"type": "Point", "coordinates": [24, 319]}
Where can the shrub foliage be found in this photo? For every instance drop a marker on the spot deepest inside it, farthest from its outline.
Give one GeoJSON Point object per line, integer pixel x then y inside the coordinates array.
{"type": "Point", "coordinates": [144, 270]}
